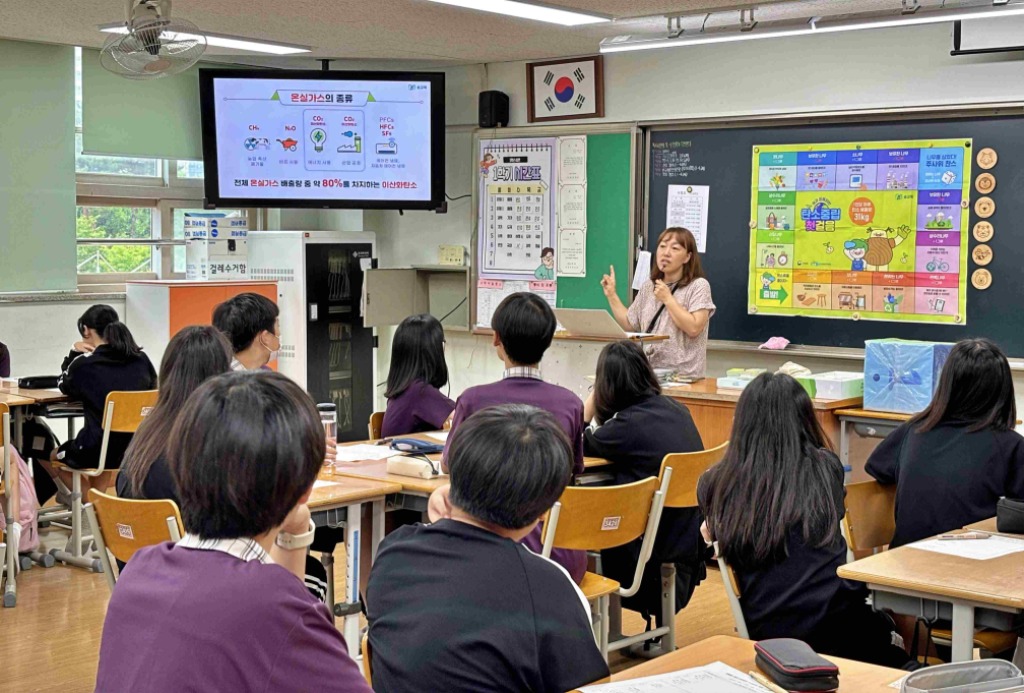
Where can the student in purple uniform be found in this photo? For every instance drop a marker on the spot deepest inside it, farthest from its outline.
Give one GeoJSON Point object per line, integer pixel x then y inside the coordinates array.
{"type": "Point", "coordinates": [225, 609]}
{"type": "Point", "coordinates": [461, 605]}
{"type": "Point", "coordinates": [418, 371]}
{"type": "Point", "coordinates": [524, 325]}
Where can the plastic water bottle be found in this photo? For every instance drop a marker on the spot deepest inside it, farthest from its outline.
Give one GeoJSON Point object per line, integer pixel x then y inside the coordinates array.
{"type": "Point", "coordinates": [329, 419]}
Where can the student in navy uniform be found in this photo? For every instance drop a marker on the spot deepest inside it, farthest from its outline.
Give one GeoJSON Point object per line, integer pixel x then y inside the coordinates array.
{"type": "Point", "coordinates": [524, 326]}
{"type": "Point", "coordinates": [952, 462]}
{"type": "Point", "coordinates": [5, 361]}
{"type": "Point", "coordinates": [224, 609]}
{"type": "Point", "coordinates": [252, 325]}
{"type": "Point", "coordinates": [194, 355]}
{"type": "Point", "coordinates": [418, 371]}
{"type": "Point", "coordinates": [774, 504]}
{"type": "Point", "coordinates": [106, 360]}
{"type": "Point", "coordinates": [461, 605]}
{"type": "Point", "coordinates": [635, 426]}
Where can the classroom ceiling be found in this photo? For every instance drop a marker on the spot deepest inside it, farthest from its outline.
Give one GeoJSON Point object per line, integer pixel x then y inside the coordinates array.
{"type": "Point", "coordinates": [370, 29]}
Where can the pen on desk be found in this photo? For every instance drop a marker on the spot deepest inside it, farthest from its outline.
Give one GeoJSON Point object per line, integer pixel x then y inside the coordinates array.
{"type": "Point", "coordinates": [964, 536]}
{"type": "Point", "coordinates": [764, 681]}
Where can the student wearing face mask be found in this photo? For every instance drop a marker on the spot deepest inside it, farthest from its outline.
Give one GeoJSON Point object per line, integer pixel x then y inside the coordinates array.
{"type": "Point", "coordinates": [252, 325]}
{"type": "Point", "coordinates": [676, 302]}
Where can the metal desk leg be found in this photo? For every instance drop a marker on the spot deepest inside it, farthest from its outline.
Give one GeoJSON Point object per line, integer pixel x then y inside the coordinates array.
{"type": "Point", "coordinates": [378, 528]}
{"type": "Point", "coordinates": [963, 632]}
{"type": "Point", "coordinates": [844, 445]}
{"type": "Point", "coordinates": [18, 422]}
{"type": "Point", "coordinates": [351, 610]}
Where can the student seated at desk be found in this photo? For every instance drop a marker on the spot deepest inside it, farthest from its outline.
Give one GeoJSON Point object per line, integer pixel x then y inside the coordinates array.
{"type": "Point", "coordinates": [774, 504]}
{"type": "Point", "coordinates": [251, 323]}
{"type": "Point", "coordinates": [952, 462]}
{"type": "Point", "coordinates": [418, 371]}
{"type": "Point", "coordinates": [524, 326]}
{"type": "Point", "coordinates": [635, 426]}
{"type": "Point", "coordinates": [461, 605]}
{"type": "Point", "coordinates": [106, 360]}
{"type": "Point", "coordinates": [5, 361]}
{"type": "Point", "coordinates": [225, 608]}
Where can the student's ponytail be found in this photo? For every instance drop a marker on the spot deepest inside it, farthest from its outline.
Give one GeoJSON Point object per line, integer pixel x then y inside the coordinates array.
{"type": "Point", "coordinates": [119, 338]}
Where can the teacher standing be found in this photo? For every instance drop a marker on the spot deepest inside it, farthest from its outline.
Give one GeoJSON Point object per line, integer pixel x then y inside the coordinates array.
{"type": "Point", "coordinates": [676, 302]}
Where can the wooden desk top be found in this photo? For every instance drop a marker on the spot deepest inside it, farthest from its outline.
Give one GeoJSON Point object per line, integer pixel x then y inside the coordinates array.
{"type": "Point", "coordinates": [37, 396]}
{"type": "Point", "coordinates": [344, 490]}
{"type": "Point", "coordinates": [989, 526]}
{"type": "Point", "coordinates": [879, 415]}
{"type": "Point", "coordinates": [15, 400]}
{"type": "Point", "coordinates": [854, 677]}
{"type": "Point", "coordinates": [707, 390]}
{"type": "Point", "coordinates": [997, 581]}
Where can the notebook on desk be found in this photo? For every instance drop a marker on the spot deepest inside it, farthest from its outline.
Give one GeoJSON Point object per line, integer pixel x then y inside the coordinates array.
{"type": "Point", "coordinates": [589, 322]}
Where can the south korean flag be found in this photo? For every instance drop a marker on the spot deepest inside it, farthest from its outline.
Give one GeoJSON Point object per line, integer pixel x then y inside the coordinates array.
{"type": "Point", "coordinates": [565, 90]}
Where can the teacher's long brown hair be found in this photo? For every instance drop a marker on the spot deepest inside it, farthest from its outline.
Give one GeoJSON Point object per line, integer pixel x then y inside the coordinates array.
{"type": "Point", "coordinates": [692, 269]}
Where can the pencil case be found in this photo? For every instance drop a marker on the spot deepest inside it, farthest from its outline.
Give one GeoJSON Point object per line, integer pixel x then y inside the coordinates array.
{"type": "Point", "coordinates": [793, 665]}
{"type": "Point", "coordinates": [38, 382]}
{"type": "Point", "coordinates": [1010, 516]}
{"type": "Point", "coordinates": [983, 676]}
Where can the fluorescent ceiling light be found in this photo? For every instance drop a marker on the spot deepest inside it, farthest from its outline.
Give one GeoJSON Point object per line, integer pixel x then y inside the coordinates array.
{"type": "Point", "coordinates": [223, 41]}
{"type": "Point", "coordinates": [526, 10]}
{"type": "Point", "coordinates": [620, 44]}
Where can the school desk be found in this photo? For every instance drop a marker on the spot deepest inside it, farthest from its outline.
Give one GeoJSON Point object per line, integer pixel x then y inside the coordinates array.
{"type": "Point", "coordinates": [18, 404]}
{"type": "Point", "coordinates": [337, 502]}
{"type": "Point", "coordinates": [969, 592]}
{"type": "Point", "coordinates": [713, 410]}
{"type": "Point", "coordinates": [854, 677]}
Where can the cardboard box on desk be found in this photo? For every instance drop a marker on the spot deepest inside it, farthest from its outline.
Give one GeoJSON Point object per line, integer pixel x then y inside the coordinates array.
{"type": "Point", "coordinates": [900, 375]}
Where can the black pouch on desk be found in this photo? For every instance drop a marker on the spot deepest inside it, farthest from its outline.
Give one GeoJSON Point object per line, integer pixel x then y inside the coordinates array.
{"type": "Point", "coordinates": [38, 382]}
{"type": "Point", "coordinates": [1010, 516]}
{"type": "Point", "coordinates": [793, 665]}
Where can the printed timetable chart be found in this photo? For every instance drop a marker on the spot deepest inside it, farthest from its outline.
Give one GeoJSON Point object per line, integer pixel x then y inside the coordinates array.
{"type": "Point", "coordinates": [861, 230]}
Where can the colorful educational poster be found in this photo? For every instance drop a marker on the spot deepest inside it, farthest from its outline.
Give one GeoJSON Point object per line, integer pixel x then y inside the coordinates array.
{"type": "Point", "coordinates": [861, 230]}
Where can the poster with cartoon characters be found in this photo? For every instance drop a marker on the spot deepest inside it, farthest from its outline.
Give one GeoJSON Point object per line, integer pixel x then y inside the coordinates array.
{"type": "Point", "coordinates": [861, 230]}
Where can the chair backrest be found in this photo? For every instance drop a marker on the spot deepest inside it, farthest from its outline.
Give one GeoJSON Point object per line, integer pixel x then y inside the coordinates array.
{"type": "Point", "coordinates": [600, 517]}
{"type": "Point", "coordinates": [124, 526]}
{"type": "Point", "coordinates": [376, 423]}
{"type": "Point", "coordinates": [870, 520]}
{"type": "Point", "coordinates": [367, 661]}
{"type": "Point", "coordinates": [686, 470]}
{"type": "Point", "coordinates": [732, 593]}
{"type": "Point", "coordinates": [124, 411]}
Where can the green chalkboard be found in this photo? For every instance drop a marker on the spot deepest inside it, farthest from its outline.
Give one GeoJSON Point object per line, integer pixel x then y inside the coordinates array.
{"type": "Point", "coordinates": [608, 214]}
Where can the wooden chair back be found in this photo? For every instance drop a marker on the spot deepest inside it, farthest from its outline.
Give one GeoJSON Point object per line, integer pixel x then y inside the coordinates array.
{"type": "Point", "coordinates": [367, 660]}
{"type": "Point", "coordinates": [732, 594]}
{"type": "Point", "coordinates": [870, 520]}
{"type": "Point", "coordinates": [376, 423]}
{"type": "Point", "coordinates": [595, 518]}
{"type": "Point", "coordinates": [130, 525]}
{"type": "Point", "coordinates": [125, 411]}
{"type": "Point", "coordinates": [686, 470]}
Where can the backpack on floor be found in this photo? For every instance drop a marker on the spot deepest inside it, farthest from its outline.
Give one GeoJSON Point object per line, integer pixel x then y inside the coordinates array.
{"type": "Point", "coordinates": [26, 523]}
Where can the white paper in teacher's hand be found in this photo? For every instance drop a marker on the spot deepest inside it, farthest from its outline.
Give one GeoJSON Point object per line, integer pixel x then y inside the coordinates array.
{"type": "Point", "coordinates": [712, 678]}
{"type": "Point", "coordinates": [642, 273]}
{"type": "Point", "coordinates": [975, 549]}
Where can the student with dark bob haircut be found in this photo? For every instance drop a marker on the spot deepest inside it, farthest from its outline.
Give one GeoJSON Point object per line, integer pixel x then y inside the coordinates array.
{"type": "Point", "coordinates": [774, 504]}
{"type": "Point", "coordinates": [635, 426]}
{"type": "Point", "coordinates": [250, 322]}
{"type": "Point", "coordinates": [524, 325]}
{"type": "Point", "coordinates": [418, 371]}
{"type": "Point", "coordinates": [953, 462]}
{"type": "Point", "coordinates": [510, 620]}
{"type": "Point", "coordinates": [106, 359]}
{"type": "Point", "coordinates": [224, 609]}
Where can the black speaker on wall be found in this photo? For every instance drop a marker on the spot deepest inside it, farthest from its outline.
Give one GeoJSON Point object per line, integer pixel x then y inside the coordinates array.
{"type": "Point", "coordinates": [493, 109]}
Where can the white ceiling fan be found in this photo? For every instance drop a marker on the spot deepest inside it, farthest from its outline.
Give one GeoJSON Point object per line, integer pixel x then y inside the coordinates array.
{"type": "Point", "coordinates": [151, 44]}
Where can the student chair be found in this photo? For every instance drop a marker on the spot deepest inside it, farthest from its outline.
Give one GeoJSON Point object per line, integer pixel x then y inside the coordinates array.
{"type": "Point", "coordinates": [684, 470]}
{"type": "Point", "coordinates": [595, 518]}
{"type": "Point", "coordinates": [367, 664]}
{"type": "Point", "coordinates": [376, 423]}
{"type": "Point", "coordinates": [870, 524]}
{"type": "Point", "coordinates": [9, 489]}
{"type": "Point", "coordinates": [732, 593]}
{"type": "Point", "coordinates": [122, 413]}
{"type": "Point", "coordinates": [122, 527]}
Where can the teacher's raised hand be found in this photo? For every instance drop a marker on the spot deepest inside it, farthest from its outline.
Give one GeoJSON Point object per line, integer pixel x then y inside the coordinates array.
{"type": "Point", "coordinates": [608, 283]}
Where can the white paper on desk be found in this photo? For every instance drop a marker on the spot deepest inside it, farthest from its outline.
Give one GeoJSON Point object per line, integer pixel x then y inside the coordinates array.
{"type": "Point", "coordinates": [642, 273]}
{"type": "Point", "coordinates": [439, 436]}
{"type": "Point", "coordinates": [711, 678]}
{"type": "Point", "coordinates": [321, 484]}
{"type": "Point", "coordinates": [364, 451]}
{"type": "Point", "coordinates": [974, 549]}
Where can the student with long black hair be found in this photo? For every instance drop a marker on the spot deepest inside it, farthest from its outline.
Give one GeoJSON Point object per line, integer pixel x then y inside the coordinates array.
{"type": "Point", "coordinates": [774, 504]}
{"type": "Point", "coordinates": [635, 426]}
{"type": "Point", "coordinates": [106, 360]}
{"type": "Point", "coordinates": [418, 371]}
{"type": "Point", "coordinates": [952, 462]}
